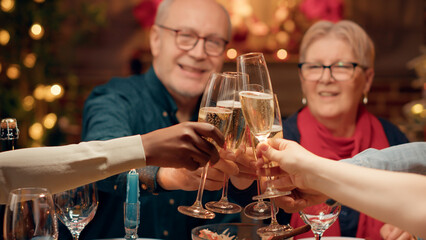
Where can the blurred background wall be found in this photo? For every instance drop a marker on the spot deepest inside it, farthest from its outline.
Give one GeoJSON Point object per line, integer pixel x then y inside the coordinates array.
{"type": "Point", "coordinates": [46, 74]}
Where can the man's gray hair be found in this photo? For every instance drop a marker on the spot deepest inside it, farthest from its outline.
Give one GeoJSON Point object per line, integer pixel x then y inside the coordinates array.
{"type": "Point", "coordinates": [164, 6]}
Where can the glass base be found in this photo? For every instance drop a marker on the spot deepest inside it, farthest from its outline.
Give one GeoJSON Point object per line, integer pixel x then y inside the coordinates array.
{"type": "Point", "coordinates": [271, 193]}
{"type": "Point", "coordinates": [258, 210]}
{"type": "Point", "coordinates": [224, 207]}
{"type": "Point", "coordinates": [273, 230]}
{"type": "Point", "coordinates": [197, 212]}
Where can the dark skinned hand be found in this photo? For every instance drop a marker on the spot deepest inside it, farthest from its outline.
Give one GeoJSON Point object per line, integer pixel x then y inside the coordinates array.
{"type": "Point", "coordinates": [182, 145]}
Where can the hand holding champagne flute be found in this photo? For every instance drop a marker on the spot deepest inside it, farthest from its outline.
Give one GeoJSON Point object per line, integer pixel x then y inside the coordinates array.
{"type": "Point", "coordinates": [258, 104]}
{"type": "Point", "coordinates": [220, 88]}
{"type": "Point", "coordinates": [232, 142]}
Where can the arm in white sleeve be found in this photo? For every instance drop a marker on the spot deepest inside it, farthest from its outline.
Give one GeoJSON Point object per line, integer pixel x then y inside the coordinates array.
{"type": "Point", "coordinates": [409, 157]}
{"type": "Point", "coordinates": [66, 167]}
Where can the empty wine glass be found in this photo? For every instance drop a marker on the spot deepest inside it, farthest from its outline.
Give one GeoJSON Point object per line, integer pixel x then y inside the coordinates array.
{"type": "Point", "coordinates": [258, 105]}
{"type": "Point", "coordinates": [220, 89]}
{"type": "Point", "coordinates": [320, 217]}
{"type": "Point", "coordinates": [233, 140]}
{"type": "Point", "coordinates": [30, 214]}
{"type": "Point", "coordinates": [77, 207]}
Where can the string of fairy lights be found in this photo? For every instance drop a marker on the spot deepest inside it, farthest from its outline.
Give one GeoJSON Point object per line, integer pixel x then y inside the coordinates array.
{"type": "Point", "coordinates": [41, 92]}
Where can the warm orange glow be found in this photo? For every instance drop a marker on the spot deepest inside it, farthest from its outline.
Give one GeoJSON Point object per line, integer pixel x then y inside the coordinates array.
{"type": "Point", "coordinates": [36, 31]}
{"type": "Point", "coordinates": [13, 72]}
{"type": "Point", "coordinates": [417, 109]}
{"type": "Point", "coordinates": [57, 90]}
{"type": "Point", "coordinates": [7, 5]}
{"type": "Point", "coordinates": [231, 53]}
{"type": "Point", "coordinates": [30, 60]}
{"type": "Point", "coordinates": [282, 54]}
{"type": "Point", "coordinates": [4, 37]}
{"type": "Point", "coordinates": [36, 131]}
{"type": "Point", "coordinates": [28, 103]}
{"type": "Point", "coordinates": [49, 120]}
{"type": "Point", "coordinates": [39, 1]}
{"type": "Point", "coordinates": [39, 92]}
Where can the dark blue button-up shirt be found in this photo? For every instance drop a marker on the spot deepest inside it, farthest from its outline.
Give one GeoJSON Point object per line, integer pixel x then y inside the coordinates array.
{"type": "Point", "coordinates": [127, 106]}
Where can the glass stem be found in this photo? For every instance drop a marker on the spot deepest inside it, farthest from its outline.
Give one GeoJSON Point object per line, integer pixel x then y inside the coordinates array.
{"type": "Point", "coordinates": [201, 186]}
{"type": "Point", "coordinates": [260, 200]}
{"type": "Point", "coordinates": [224, 197]}
{"type": "Point", "coordinates": [273, 213]}
{"type": "Point", "coordinates": [317, 236]}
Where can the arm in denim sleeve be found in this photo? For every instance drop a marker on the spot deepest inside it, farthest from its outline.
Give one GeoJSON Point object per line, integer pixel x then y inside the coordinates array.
{"type": "Point", "coordinates": [408, 157]}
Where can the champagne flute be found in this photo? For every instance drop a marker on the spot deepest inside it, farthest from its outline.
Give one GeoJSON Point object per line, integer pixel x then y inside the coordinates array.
{"type": "Point", "coordinates": [30, 214]}
{"type": "Point", "coordinates": [320, 217]}
{"type": "Point", "coordinates": [220, 88]}
{"type": "Point", "coordinates": [258, 106]}
{"type": "Point", "coordinates": [260, 209]}
{"type": "Point", "coordinates": [274, 228]}
{"type": "Point", "coordinates": [77, 207]}
{"type": "Point", "coordinates": [233, 141]}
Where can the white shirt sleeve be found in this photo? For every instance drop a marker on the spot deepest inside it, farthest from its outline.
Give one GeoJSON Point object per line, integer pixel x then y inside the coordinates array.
{"type": "Point", "coordinates": [66, 167]}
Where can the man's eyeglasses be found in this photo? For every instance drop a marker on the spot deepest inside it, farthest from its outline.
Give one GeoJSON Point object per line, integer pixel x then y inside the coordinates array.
{"type": "Point", "coordinates": [187, 40]}
{"type": "Point", "coordinates": [340, 71]}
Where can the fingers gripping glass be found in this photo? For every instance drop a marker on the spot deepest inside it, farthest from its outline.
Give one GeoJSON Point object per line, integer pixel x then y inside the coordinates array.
{"type": "Point", "coordinates": [340, 71]}
{"type": "Point", "coordinates": [187, 39]}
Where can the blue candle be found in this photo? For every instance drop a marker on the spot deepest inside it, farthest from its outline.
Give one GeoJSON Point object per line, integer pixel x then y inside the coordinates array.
{"type": "Point", "coordinates": [132, 187]}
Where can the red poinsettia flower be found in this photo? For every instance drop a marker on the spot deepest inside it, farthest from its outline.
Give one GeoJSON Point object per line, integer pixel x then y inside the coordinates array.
{"type": "Point", "coordinates": [331, 10]}
{"type": "Point", "coordinates": [145, 11]}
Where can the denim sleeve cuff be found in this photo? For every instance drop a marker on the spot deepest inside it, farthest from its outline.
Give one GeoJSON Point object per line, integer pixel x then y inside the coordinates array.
{"type": "Point", "coordinates": [148, 179]}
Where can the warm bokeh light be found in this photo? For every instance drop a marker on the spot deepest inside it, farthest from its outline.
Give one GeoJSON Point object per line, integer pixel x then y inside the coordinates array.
{"type": "Point", "coordinates": [57, 90]}
{"type": "Point", "coordinates": [48, 96]}
{"type": "Point", "coordinates": [13, 72]}
{"type": "Point", "coordinates": [282, 54]}
{"type": "Point", "coordinates": [4, 37]}
{"type": "Point", "coordinates": [39, 92]}
{"type": "Point", "coordinates": [28, 103]}
{"type": "Point", "coordinates": [36, 131]}
{"type": "Point", "coordinates": [231, 53]}
{"type": "Point", "coordinates": [0, 67]}
{"type": "Point", "coordinates": [39, 1]}
{"type": "Point", "coordinates": [282, 37]}
{"type": "Point", "coordinates": [7, 5]}
{"type": "Point", "coordinates": [289, 25]}
{"type": "Point", "coordinates": [36, 31]}
{"type": "Point", "coordinates": [281, 14]}
{"type": "Point", "coordinates": [30, 60]}
{"type": "Point", "coordinates": [49, 120]}
{"type": "Point", "coordinates": [417, 109]}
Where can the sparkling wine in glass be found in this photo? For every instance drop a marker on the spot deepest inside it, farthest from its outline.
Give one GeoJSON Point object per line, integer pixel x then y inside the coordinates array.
{"type": "Point", "coordinates": [274, 228]}
{"type": "Point", "coordinates": [258, 105]}
{"type": "Point", "coordinates": [320, 217]}
{"type": "Point", "coordinates": [77, 207]}
{"type": "Point", "coordinates": [268, 166]}
{"type": "Point", "coordinates": [30, 214]}
{"type": "Point", "coordinates": [220, 88]}
{"type": "Point", "coordinates": [233, 140]}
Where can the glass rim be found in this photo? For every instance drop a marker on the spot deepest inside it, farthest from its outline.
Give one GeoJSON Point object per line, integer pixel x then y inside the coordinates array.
{"type": "Point", "coordinates": [22, 189]}
{"type": "Point", "coordinates": [251, 55]}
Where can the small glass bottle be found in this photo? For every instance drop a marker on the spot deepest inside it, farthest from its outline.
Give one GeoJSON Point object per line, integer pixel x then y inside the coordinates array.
{"type": "Point", "coordinates": [9, 133]}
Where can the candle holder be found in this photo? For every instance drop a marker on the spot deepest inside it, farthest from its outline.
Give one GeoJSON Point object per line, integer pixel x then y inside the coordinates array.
{"type": "Point", "coordinates": [131, 220]}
